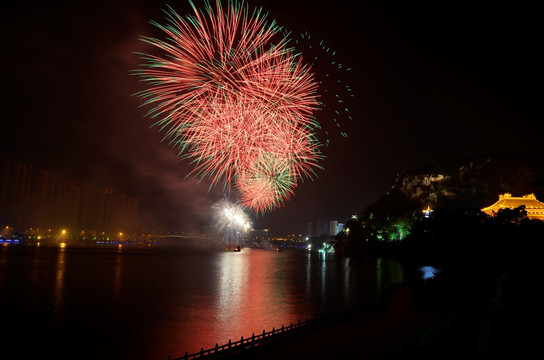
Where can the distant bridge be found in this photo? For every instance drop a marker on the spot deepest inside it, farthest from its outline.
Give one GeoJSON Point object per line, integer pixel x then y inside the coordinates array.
{"type": "Point", "coordinates": [249, 243]}
{"type": "Point", "coordinates": [182, 236]}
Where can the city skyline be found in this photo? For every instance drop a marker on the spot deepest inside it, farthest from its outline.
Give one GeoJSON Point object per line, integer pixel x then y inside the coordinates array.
{"type": "Point", "coordinates": [33, 199]}
{"type": "Point", "coordinates": [432, 82]}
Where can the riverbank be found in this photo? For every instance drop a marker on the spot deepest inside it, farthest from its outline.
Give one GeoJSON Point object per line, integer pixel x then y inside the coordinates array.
{"type": "Point", "coordinates": [365, 335]}
{"type": "Point", "coordinates": [398, 327]}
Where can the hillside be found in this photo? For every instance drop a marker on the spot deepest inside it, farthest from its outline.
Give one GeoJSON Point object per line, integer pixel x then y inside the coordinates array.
{"type": "Point", "coordinates": [469, 184]}
{"type": "Point", "coordinates": [473, 182]}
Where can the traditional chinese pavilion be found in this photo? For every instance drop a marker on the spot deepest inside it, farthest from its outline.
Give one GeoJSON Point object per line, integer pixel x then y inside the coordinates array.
{"type": "Point", "coordinates": [534, 208]}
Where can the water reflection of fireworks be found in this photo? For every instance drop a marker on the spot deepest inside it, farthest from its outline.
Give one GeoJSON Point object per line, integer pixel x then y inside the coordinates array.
{"type": "Point", "coordinates": [231, 222]}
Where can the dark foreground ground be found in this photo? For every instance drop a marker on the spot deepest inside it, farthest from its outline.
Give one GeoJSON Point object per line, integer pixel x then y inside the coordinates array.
{"type": "Point", "coordinates": [398, 328]}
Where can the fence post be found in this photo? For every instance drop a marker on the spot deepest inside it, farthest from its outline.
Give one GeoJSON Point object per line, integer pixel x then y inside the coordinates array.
{"type": "Point", "coordinates": [242, 340]}
{"type": "Point", "coordinates": [229, 343]}
{"type": "Point", "coordinates": [253, 340]}
{"type": "Point", "coordinates": [263, 333]}
{"type": "Point", "coordinates": [216, 348]}
{"type": "Point", "coordinates": [186, 355]}
{"type": "Point", "coordinates": [201, 351]}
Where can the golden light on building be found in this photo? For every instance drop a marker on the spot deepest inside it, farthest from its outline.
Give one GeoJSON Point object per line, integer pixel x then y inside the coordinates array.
{"type": "Point", "coordinates": [534, 208]}
{"type": "Point", "coordinates": [427, 212]}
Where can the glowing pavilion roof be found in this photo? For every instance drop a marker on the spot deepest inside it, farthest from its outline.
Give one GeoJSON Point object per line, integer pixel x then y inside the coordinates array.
{"type": "Point", "coordinates": [534, 208]}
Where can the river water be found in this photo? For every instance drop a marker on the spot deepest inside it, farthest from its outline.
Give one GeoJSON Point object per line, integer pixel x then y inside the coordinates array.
{"type": "Point", "coordinates": [132, 303]}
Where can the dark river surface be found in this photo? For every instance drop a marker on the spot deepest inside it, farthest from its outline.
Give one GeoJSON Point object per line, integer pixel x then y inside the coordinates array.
{"type": "Point", "coordinates": [133, 303]}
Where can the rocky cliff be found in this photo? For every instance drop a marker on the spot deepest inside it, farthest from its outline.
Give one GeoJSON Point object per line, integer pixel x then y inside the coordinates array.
{"type": "Point", "coordinates": [473, 182]}
{"type": "Point", "coordinates": [463, 184]}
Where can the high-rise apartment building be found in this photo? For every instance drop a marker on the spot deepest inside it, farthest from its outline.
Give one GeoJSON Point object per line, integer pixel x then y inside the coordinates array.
{"type": "Point", "coordinates": [324, 227]}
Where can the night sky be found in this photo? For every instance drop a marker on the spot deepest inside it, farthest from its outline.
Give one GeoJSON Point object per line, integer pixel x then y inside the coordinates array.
{"type": "Point", "coordinates": [433, 81]}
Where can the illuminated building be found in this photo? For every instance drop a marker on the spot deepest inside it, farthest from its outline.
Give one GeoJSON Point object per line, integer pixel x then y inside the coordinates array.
{"type": "Point", "coordinates": [335, 227]}
{"type": "Point", "coordinates": [318, 228]}
{"type": "Point", "coordinates": [66, 203]}
{"type": "Point", "coordinates": [323, 227]}
{"type": "Point", "coordinates": [91, 211]}
{"type": "Point", "coordinates": [15, 194]}
{"type": "Point", "coordinates": [427, 212]}
{"type": "Point", "coordinates": [534, 208]}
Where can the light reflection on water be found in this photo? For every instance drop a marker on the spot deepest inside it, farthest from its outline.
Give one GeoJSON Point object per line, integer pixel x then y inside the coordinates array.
{"type": "Point", "coordinates": [151, 304]}
{"type": "Point", "coordinates": [428, 272]}
{"type": "Point", "coordinates": [58, 295]}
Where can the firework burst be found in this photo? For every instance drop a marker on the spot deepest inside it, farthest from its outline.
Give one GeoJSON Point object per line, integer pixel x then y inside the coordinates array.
{"type": "Point", "coordinates": [230, 221]}
{"type": "Point", "coordinates": [235, 100]}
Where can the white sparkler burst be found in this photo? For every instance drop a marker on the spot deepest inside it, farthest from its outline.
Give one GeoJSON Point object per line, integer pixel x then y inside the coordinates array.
{"type": "Point", "coordinates": [231, 221]}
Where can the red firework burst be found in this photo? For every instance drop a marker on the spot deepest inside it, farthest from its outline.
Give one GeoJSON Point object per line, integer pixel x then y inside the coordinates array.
{"type": "Point", "coordinates": [235, 100]}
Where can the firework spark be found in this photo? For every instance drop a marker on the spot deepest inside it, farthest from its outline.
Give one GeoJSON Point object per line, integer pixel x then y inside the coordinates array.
{"type": "Point", "coordinates": [334, 84]}
{"type": "Point", "coordinates": [231, 221]}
